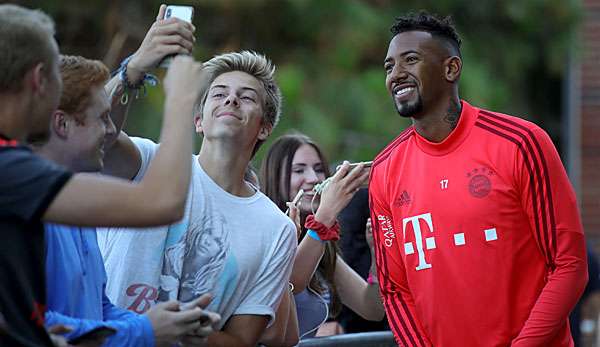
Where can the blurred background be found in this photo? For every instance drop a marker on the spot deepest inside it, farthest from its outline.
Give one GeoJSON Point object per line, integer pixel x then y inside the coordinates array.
{"type": "Point", "coordinates": [537, 59]}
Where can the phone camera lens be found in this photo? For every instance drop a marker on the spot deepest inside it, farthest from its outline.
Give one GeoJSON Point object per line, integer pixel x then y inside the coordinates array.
{"type": "Point", "coordinates": [169, 13]}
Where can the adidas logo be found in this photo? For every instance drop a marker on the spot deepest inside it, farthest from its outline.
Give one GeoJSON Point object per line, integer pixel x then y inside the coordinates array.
{"type": "Point", "coordinates": [404, 199]}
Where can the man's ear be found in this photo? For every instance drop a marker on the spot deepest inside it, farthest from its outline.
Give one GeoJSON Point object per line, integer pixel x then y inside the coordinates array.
{"type": "Point", "coordinates": [452, 69]}
{"type": "Point", "coordinates": [265, 131]}
{"type": "Point", "coordinates": [36, 79]}
{"type": "Point", "coordinates": [198, 123]}
{"type": "Point", "coordinates": [60, 124]}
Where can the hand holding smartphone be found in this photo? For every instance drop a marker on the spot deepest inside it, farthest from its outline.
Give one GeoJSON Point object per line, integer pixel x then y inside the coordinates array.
{"type": "Point", "coordinates": [366, 164]}
{"type": "Point", "coordinates": [185, 13]}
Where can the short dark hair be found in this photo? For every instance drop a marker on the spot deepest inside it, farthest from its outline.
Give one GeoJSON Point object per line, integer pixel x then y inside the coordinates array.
{"type": "Point", "coordinates": [431, 23]}
{"type": "Point", "coordinates": [26, 39]}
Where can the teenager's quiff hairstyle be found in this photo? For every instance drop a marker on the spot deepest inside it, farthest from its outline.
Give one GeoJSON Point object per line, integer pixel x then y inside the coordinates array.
{"type": "Point", "coordinates": [26, 39]}
{"type": "Point", "coordinates": [79, 75]}
{"type": "Point", "coordinates": [424, 21]}
{"type": "Point", "coordinates": [256, 65]}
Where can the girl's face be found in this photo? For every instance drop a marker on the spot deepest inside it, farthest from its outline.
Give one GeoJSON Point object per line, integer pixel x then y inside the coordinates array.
{"type": "Point", "coordinates": [306, 171]}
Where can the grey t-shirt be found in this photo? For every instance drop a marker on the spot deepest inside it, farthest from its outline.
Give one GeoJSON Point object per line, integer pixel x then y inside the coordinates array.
{"type": "Point", "coordinates": [241, 250]}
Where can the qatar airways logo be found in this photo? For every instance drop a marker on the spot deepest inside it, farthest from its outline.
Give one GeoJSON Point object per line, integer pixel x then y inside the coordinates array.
{"type": "Point", "coordinates": [421, 235]}
{"type": "Point", "coordinates": [387, 229]}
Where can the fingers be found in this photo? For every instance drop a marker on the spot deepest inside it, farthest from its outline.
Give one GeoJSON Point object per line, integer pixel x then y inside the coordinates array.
{"type": "Point", "coordinates": [174, 26]}
{"type": "Point", "coordinates": [161, 12]}
{"type": "Point", "coordinates": [190, 316]}
{"type": "Point", "coordinates": [177, 41]}
{"type": "Point", "coordinates": [342, 171]}
{"type": "Point", "coordinates": [214, 318]}
{"type": "Point", "coordinates": [202, 301]}
{"type": "Point", "coordinates": [357, 179]}
{"type": "Point", "coordinates": [60, 329]}
{"type": "Point", "coordinates": [171, 305]}
{"type": "Point", "coordinates": [351, 182]}
{"type": "Point", "coordinates": [172, 50]}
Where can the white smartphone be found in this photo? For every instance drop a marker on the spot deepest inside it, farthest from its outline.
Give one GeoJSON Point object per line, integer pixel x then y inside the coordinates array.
{"type": "Point", "coordinates": [366, 164]}
{"type": "Point", "coordinates": [185, 13]}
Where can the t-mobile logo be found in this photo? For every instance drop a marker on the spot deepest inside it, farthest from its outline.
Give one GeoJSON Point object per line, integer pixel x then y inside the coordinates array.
{"type": "Point", "coordinates": [409, 248]}
{"type": "Point", "coordinates": [429, 242]}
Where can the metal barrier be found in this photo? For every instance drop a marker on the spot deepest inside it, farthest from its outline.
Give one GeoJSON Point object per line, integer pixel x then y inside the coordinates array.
{"type": "Point", "coordinates": [372, 339]}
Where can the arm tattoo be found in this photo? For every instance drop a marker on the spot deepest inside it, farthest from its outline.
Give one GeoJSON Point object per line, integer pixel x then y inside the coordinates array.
{"type": "Point", "coordinates": [453, 114]}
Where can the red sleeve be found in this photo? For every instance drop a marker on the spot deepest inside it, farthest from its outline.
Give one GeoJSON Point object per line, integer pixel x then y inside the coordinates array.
{"type": "Point", "coordinates": [551, 206]}
{"type": "Point", "coordinates": [397, 299]}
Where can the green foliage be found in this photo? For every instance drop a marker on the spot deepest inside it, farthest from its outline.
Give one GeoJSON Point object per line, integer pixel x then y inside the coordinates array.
{"type": "Point", "coordinates": [330, 55]}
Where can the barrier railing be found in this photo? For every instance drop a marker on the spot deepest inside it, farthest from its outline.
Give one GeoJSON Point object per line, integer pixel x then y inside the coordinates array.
{"type": "Point", "coordinates": [371, 339]}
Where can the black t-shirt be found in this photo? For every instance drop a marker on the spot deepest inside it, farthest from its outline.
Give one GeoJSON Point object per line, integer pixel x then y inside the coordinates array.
{"type": "Point", "coordinates": [28, 184]}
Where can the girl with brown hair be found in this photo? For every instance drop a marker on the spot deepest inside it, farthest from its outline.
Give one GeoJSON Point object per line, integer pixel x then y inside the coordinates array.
{"type": "Point", "coordinates": [322, 281]}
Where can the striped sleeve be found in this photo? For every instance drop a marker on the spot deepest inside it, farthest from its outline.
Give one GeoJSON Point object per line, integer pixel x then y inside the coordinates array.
{"type": "Point", "coordinates": [397, 299]}
{"type": "Point", "coordinates": [550, 204]}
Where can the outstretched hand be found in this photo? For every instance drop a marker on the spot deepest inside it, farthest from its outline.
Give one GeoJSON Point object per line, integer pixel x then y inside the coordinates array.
{"type": "Point", "coordinates": [208, 322]}
{"type": "Point", "coordinates": [338, 193]}
{"type": "Point", "coordinates": [165, 37]}
{"type": "Point", "coordinates": [172, 322]}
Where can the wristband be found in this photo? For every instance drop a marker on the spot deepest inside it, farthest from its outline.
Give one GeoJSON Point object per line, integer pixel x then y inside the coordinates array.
{"type": "Point", "coordinates": [325, 233]}
{"type": "Point", "coordinates": [147, 79]}
{"type": "Point", "coordinates": [313, 234]}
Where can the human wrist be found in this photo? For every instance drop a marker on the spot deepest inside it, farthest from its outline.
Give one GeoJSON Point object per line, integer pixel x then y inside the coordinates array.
{"type": "Point", "coordinates": [325, 233]}
{"type": "Point", "coordinates": [135, 80]}
{"type": "Point", "coordinates": [313, 235]}
{"type": "Point", "coordinates": [135, 74]}
{"type": "Point", "coordinates": [325, 217]}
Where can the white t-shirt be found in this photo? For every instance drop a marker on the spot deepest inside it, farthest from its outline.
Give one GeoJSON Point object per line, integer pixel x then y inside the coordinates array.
{"type": "Point", "coordinates": [241, 250]}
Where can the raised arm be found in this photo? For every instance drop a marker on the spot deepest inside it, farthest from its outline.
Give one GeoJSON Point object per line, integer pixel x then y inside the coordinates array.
{"type": "Point", "coordinates": [90, 200]}
{"type": "Point", "coordinates": [335, 197]}
{"type": "Point", "coordinates": [165, 37]}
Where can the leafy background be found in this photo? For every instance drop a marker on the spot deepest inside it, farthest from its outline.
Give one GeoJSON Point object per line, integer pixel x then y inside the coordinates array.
{"type": "Point", "coordinates": [330, 54]}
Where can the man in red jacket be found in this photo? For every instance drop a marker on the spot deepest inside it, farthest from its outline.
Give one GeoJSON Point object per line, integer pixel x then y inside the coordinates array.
{"type": "Point", "coordinates": [478, 237]}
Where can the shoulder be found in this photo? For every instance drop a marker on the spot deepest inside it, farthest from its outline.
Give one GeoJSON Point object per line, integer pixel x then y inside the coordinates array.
{"type": "Point", "coordinates": [273, 216]}
{"type": "Point", "coordinates": [506, 125]}
{"type": "Point", "coordinates": [20, 164]}
{"type": "Point", "coordinates": [19, 155]}
{"type": "Point", "coordinates": [144, 145]}
{"type": "Point", "coordinates": [271, 211]}
{"type": "Point", "coordinates": [398, 142]}
{"type": "Point", "coordinates": [382, 161]}
{"type": "Point", "coordinates": [147, 150]}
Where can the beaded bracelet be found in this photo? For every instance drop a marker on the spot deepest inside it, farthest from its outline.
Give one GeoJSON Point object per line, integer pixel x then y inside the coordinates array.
{"type": "Point", "coordinates": [128, 86]}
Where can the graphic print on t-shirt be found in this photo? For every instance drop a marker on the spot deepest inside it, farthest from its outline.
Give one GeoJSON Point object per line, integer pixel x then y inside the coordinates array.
{"type": "Point", "coordinates": [192, 265]}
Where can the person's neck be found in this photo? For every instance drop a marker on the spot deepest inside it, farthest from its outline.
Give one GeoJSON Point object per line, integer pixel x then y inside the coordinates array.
{"type": "Point", "coordinates": [438, 123]}
{"type": "Point", "coordinates": [56, 154]}
{"type": "Point", "coordinates": [225, 164]}
{"type": "Point", "coordinates": [13, 117]}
